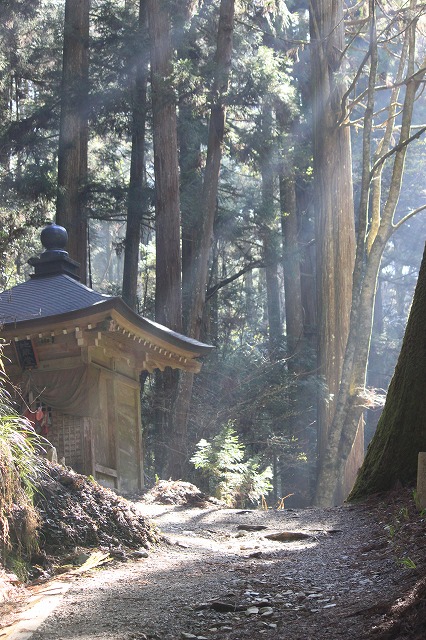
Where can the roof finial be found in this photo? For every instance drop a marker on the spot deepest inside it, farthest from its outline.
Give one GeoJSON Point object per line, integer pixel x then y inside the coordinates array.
{"type": "Point", "coordinates": [54, 260]}
{"type": "Point", "coordinates": [54, 237]}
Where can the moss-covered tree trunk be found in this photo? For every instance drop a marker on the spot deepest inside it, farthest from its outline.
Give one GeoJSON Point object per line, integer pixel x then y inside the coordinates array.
{"type": "Point", "coordinates": [401, 432]}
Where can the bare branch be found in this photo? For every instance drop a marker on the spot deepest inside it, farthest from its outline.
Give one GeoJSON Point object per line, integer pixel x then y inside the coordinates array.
{"type": "Point", "coordinates": [352, 86]}
{"type": "Point", "coordinates": [403, 220]}
{"type": "Point", "coordinates": [395, 149]}
{"type": "Point", "coordinates": [248, 267]}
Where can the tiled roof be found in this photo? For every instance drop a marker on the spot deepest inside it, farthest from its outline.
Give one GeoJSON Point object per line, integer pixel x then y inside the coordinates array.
{"type": "Point", "coordinates": [53, 296]}
{"type": "Point", "coordinates": [43, 297]}
{"type": "Point", "coordinates": [57, 295]}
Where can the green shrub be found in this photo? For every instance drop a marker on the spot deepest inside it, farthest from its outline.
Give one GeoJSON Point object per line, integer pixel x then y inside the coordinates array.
{"type": "Point", "coordinates": [231, 478]}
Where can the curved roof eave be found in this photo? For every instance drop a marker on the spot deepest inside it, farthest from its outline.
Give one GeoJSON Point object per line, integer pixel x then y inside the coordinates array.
{"type": "Point", "coordinates": [118, 305]}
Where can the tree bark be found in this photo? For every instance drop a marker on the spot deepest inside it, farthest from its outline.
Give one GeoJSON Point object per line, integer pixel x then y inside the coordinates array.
{"type": "Point", "coordinates": [269, 233]}
{"type": "Point", "coordinates": [298, 348]}
{"type": "Point", "coordinates": [168, 296]}
{"type": "Point", "coordinates": [272, 294]}
{"type": "Point", "coordinates": [191, 186]}
{"type": "Point", "coordinates": [73, 133]}
{"type": "Point", "coordinates": [335, 232]}
{"type": "Point", "coordinates": [190, 136]}
{"type": "Point", "coordinates": [291, 268]}
{"type": "Point", "coordinates": [401, 434]}
{"type": "Point", "coordinates": [375, 226]}
{"type": "Point", "coordinates": [170, 444]}
{"type": "Point", "coordinates": [307, 270]}
{"type": "Point", "coordinates": [214, 155]}
{"type": "Point", "coordinates": [135, 204]}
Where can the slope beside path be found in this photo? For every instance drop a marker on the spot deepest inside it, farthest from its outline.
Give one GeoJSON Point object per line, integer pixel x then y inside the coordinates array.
{"type": "Point", "coordinates": [345, 572]}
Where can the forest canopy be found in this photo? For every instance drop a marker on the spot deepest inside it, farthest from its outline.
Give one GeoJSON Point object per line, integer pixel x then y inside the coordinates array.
{"type": "Point", "coordinates": [247, 173]}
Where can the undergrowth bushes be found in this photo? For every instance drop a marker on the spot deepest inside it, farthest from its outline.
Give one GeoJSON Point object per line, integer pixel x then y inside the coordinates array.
{"type": "Point", "coordinates": [230, 475]}
{"type": "Point", "coordinates": [19, 465]}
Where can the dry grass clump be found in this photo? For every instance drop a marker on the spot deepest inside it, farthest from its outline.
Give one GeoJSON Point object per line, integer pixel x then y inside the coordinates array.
{"type": "Point", "coordinates": [18, 518]}
{"type": "Point", "coordinates": [19, 467]}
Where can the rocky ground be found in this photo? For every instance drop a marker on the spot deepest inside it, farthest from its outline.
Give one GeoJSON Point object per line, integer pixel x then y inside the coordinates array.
{"type": "Point", "coordinates": [347, 572]}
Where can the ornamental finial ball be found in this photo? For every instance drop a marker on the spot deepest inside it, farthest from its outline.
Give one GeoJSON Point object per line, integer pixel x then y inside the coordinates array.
{"type": "Point", "coordinates": [54, 238]}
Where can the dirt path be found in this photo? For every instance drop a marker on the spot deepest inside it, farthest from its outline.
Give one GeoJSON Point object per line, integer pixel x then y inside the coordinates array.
{"type": "Point", "coordinates": [216, 580]}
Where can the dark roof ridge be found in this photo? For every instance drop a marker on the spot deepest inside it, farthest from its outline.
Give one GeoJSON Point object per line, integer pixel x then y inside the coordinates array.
{"type": "Point", "coordinates": [60, 306]}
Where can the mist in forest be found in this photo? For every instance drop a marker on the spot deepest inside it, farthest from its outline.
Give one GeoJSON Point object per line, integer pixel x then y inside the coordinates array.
{"type": "Point", "coordinates": [261, 305]}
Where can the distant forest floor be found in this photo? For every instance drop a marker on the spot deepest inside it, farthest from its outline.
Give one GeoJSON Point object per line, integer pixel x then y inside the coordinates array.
{"type": "Point", "coordinates": [356, 571]}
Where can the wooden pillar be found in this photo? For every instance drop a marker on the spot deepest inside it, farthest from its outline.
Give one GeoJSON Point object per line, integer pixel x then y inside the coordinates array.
{"type": "Point", "coordinates": [421, 480]}
{"type": "Point", "coordinates": [138, 426]}
{"type": "Point", "coordinates": [88, 448]}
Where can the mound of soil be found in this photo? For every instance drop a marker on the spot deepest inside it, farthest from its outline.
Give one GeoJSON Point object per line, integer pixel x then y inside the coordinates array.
{"type": "Point", "coordinates": [76, 510]}
{"type": "Point", "coordinates": [75, 515]}
{"type": "Point", "coordinates": [176, 492]}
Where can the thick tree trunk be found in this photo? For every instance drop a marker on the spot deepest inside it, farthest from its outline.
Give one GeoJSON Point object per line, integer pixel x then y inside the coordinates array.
{"type": "Point", "coordinates": [272, 294]}
{"type": "Point", "coordinates": [307, 270]}
{"type": "Point", "coordinates": [269, 233]}
{"type": "Point", "coordinates": [300, 401]}
{"type": "Point", "coordinates": [401, 434]}
{"type": "Point", "coordinates": [135, 204]}
{"type": "Point", "coordinates": [291, 268]}
{"type": "Point", "coordinates": [350, 402]}
{"type": "Point", "coordinates": [73, 133]}
{"type": "Point", "coordinates": [168, 295]}
{"type": "Point", "coordinates": [191, 186]}
{"type": "Point", "coordinates": [214, 155]}
{"type": "Point", "coordinates": [335, 233]}
{"type": "Point", "coordinates": [190, 137]}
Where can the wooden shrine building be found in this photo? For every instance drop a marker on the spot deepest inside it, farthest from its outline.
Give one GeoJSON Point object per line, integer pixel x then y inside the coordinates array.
{"type": "Point", "coordinates": [76, 355]}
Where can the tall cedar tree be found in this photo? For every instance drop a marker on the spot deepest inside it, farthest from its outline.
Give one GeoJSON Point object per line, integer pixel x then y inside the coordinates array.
{"type": "Point", "coordinates": [335, 233]}
{"type": "Point", "coordinates": [376, 224]}
{"type": "Point", "coordinates": [135, 203]}
{"type": "Point", "coordinates": [168, 297]}
{"type": "Point", "coordinates": [170, 453]}
{"type": "Point", "coordinates": [199, 272]}
{"type": "Point", "coordinates": [214, 156]}
{"type": "Point", "coordinates": [73, 134]}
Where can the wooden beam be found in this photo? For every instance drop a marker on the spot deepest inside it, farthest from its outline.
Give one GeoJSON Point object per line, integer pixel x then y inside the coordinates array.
{"type": "Point", "coordinates": [122, 338]}
{"type": "Point", "coordinates": [107, 471]}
